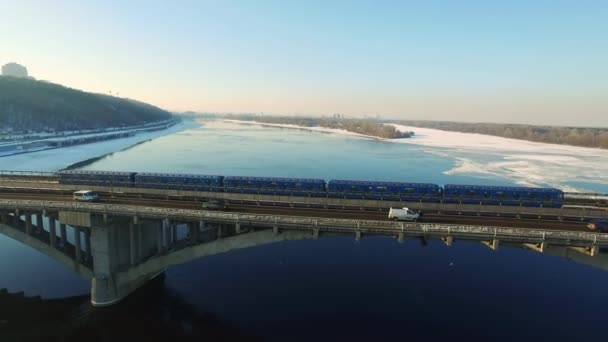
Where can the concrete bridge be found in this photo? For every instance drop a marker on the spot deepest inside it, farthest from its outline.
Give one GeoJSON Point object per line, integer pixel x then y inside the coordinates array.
{"type": "Point", "coordinates": [121, 247]}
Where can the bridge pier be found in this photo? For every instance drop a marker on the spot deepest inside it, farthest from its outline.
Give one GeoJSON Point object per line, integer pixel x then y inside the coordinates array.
{"type": "Point", "coordinates": [237, 228]}
{"type": "Point", "coordinates": [77, 244]}
{"type": "Point", "coordinates": [39, 223]}
{"type": "Point", "coordinates": [538, 247]}
{"type": "Point", "coordinates": [493, 245]}
{"type": "Point", "coordinates": [115, 249]}
{"type": "Point", "coordinates": [448, 240]}
{"type": "Point", "coordinates": [401, 237]}
{"type": "Point", "coordinates": [28, 223]}
{"type": "Point", "coordinates": [63, 234]}
{"type": "Point", "coordinates": [52, 232]}
{"type": "Point", "coordinates": [590, 251]}
{"type": "Point", "coordinates": [193, 229]}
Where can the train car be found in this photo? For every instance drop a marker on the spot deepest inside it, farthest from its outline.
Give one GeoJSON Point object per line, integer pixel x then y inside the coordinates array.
{"type": "Point", "coordinates": [503, 195]}
{"type": "Point", "coordinates": [275, 186]}
{"type": "Point", "coordinates": [97, 178]}
{"type": "Point", "coordinates": [387, 191]}
{"type": "Point", "coordinates": [179, 181]}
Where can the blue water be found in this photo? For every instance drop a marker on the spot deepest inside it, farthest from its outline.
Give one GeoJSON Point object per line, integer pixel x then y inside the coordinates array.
{"type": "Point", "coordinates": [332, 288]}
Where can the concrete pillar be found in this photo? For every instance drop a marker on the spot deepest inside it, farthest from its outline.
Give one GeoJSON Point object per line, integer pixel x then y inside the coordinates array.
{"type": "Point", "coordinates": [237, 228]}
{"type": "Point", "coordinates": [52, 232]}
{"type": "Point", "coordinates": [28, 224]}
{"type": "Point", "coordinates": [173, 233]}
{"type": "Point", "coordinates": [140, 245]}
{"type": "Point", "coordinates": [357, 235]}
{"type": "Point", "coordinates": [401, 237]}
{"type": "Point", "coordinates": [448, 240]}
{"type": "Point", "coordinates": [63, 233]}
{"type": "Point", "coordinates": [5, 218]}
{"type": "Point", "coordinates": [275, 230]}
{"type": "Point", "coordinates": [492, 244]}
{"type": "Point", "coordinates": [315, 233]}
{"type": "Point", "coordinates": [193, 232]}
{"type": "Point", "coordinates": [167, 235]}
{"type": "Point", "coordinates": [539, 247]}
{"type": "Point", "coordinates": [87, 243]}
{"type": "Point", "coordinates": [39, 222]}
{"type": "Point", "coordinates": [77, 244]}
{"type": "Point", "coordinates": [159, 241]}
{"type": "Point", "coordinates": [220, 231]}
{"type": "Point", "coordinates": [131, 243]}
{"type": "Point", "coordinates": [110, 255]}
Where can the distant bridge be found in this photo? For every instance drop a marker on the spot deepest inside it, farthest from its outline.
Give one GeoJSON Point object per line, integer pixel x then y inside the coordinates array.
{"type": "Point", "coordinates": [120, 247]}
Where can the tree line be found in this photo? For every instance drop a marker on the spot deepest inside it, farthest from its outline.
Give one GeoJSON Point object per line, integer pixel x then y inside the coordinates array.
{"type": "Point", "coordinates": [361, 126]}
{"type": "Point", "coordinates": [576, 136]}
{"type": "Point", "coordinates": [30, 105]}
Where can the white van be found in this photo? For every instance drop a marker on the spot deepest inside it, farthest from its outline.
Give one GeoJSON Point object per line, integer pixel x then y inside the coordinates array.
{"type": "Point", "coordinates": [86, 196]}
{"type": "Point", "coordinates": [404, 214]}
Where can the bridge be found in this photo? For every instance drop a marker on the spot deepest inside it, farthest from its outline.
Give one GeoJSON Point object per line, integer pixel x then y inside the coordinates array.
{"type": "Point", "coordinates": [133, 235]}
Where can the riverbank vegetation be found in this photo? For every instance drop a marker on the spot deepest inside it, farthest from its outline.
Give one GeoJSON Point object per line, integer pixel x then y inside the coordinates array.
{"type": "Point", "coordinates": [360, 126]}
{"type": "Point", "coordinates": [576, 136]}
{"type": "Point", "coordinates": [30, 105]}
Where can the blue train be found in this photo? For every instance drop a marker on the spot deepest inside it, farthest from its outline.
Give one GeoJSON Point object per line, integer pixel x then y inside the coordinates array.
{"type": "Point", "coordinates": [350, 189]}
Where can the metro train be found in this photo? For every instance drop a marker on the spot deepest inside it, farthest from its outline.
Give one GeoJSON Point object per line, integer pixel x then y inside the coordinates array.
{"type": "Point", "coordinates": [348, 189]}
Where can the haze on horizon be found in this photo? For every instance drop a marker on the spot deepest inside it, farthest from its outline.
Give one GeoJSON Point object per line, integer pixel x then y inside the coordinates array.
{"type": "Point", "coordinates": [537, 62]}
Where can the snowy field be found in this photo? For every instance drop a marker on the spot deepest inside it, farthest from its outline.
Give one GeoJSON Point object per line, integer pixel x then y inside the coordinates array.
{"type": "Point", "coordinates": [56, 159]}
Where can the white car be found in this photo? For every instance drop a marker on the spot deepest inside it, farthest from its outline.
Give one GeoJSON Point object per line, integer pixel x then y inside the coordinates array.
{"type": "Point", "coordinates": [404, 214]}
{"type": "Point", "coordinates": [86, 196]}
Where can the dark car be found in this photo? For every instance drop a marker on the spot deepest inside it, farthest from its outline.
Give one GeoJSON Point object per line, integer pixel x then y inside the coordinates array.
{"type": "Point", "coordinates": [599, 225]}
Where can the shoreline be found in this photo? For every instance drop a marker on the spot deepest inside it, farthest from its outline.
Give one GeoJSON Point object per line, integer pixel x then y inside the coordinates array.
{"type": "Point", "coordinates": [51, 160]}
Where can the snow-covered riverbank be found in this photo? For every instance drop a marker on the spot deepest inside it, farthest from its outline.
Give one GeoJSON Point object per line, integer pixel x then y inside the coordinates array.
{"type": "Point", "coordinates": [56, 159]}
{"type": "Point", "coordinates": [526, 163]}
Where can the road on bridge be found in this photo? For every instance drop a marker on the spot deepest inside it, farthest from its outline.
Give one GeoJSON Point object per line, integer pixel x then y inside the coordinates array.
{"type": "Point", "coordinates": [269, 208]}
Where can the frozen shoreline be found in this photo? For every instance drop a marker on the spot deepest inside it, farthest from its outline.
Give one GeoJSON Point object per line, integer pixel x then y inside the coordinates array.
{"type": "Point", "coordinates": [522, 162]}
{"type": "Point", "coordinates": [57, 159]}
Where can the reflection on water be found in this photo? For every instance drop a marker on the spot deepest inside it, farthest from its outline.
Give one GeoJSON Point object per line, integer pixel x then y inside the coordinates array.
{"type": "Point", "coordinates": [336, 288]}
{"type": "Point", "coordinates": [154, 311]}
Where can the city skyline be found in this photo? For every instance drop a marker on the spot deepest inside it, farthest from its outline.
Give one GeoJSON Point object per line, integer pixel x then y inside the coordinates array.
{"type": "Point", "coordinates": [536, 63]}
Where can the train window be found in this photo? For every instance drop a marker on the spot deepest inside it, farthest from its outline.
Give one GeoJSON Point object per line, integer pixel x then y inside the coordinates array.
{"type": "Point", "coordinates": [499, 194]}
{"type": "Point", "coordinates": [353, 188]}
{"type": "Point", "coordinates": [486, 194]}
{"type": "Point", "coordinates": [547, 197]}
{"type": "Point", "coordinates": [409, 190]}
{"type": "Point", "coordinates": [532, 195]}
{"type": "Point", "coordinates": [381, 189]}
{"type": "Point", "coordinates": [472, 193]}
{"type": "Point", "coordinates": [422, 191]}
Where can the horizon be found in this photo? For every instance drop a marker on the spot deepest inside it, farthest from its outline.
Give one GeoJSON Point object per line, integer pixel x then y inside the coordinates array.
{"type": "Point", "coordinates": [521, 63]}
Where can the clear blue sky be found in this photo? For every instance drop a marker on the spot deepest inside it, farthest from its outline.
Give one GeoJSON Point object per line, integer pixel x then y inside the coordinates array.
{"type": "Point", "coordinates": [504, 61]}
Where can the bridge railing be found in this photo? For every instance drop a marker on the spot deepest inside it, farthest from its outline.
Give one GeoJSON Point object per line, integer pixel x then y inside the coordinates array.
{"type": "Point", "coordinates": [298, 222]}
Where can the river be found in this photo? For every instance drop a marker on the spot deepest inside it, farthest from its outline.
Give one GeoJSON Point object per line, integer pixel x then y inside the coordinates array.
{"type": "Point", "coordinates": [333, 288]}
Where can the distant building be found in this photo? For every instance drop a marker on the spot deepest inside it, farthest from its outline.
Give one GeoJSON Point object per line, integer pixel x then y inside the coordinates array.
{"type": "Point", "coordinates": [14, 69]}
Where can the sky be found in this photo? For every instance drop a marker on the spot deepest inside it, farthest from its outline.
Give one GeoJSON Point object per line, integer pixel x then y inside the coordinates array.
{"type": "Point", "coordinates": [528, 61]}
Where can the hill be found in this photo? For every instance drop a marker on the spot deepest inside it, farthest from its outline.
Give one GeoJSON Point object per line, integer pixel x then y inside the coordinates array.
{"type": "Point", "coordinates": [27, 104]}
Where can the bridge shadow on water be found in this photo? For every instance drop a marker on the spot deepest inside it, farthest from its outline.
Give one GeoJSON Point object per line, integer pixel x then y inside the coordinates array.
{"type": "Point", "coordinates": [153, 312]}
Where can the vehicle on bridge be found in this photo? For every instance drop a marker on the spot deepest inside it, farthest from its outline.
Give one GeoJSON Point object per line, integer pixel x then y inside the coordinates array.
{"type": "Point", "coordinates": [306, 187]}
{"type": "Point", "coordinates": [404, 214]}
{"type": "Point", "coordinates": [86, 196]}
{"type": "Point", "coordinates": [598, 225]}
